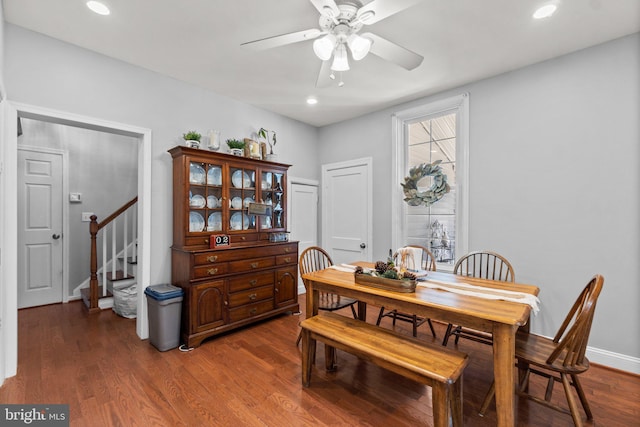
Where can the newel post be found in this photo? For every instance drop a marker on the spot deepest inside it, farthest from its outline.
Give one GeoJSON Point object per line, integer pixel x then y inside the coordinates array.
{"type": "Point", "coordinates": [93, 281]}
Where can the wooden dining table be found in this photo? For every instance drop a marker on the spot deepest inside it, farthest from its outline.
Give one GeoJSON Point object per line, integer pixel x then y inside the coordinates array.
{"type": "Point", "coordinates": [501, 318]}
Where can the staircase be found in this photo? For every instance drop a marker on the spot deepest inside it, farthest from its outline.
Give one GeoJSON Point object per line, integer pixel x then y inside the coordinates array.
{"type": "Point", "coordinates": [115, 235]}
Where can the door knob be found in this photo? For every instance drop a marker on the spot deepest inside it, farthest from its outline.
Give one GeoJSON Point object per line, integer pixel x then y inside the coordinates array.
{"type": "Point", "coordinates": [362, 246]}
{"type": "Point", "coordinates": [56, 236]}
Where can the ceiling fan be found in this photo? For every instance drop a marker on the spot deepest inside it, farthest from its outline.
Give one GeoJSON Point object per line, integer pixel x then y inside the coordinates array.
{"type": "Point", "coordinates": [340, 23]}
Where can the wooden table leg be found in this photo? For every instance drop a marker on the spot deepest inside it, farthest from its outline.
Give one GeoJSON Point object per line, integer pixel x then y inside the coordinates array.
{"type": "Point", "coordinates": [503, 361]}
{"type": "Point", "coordinates": [313, 300]}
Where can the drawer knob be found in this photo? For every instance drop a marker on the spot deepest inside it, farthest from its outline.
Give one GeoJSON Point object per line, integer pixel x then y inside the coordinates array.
{"type": "Point", "coordinates": [243, 238]}
{"type": "Point", "coordinates": [253, 282]}
{"type": "Point", "coordinates": [254, 265]}
{"type": "Point", "coordinates": [287, 250]}
{"type": "Point", "coordinates": [206, 241]}
{"type": "Point", "coordinates": [212, 258]}
{"type": "Point", "coordinates": [253, 311]}
{"type": "Point", "coordinates": [253, 296]}
{"type": "Point", "coordinates": [212, 271]}
{"type": "Point", "coordinates": [287, 260]}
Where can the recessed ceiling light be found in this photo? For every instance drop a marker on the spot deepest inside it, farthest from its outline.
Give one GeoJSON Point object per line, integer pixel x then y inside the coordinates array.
{"type": "Point", "coordinates": [312, 101]}
{"type": "Point", "coordinates": [545, 11]}
{"type": "Point", "coordinates": [99, 8]}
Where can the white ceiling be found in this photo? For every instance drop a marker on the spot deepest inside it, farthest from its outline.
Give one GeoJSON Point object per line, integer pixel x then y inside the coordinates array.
{"type": "Point", "coordinates": [198, 41]}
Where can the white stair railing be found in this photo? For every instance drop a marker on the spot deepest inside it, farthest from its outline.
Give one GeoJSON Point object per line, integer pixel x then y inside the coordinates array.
{"type": "Point", "coordinates": [121, 216]}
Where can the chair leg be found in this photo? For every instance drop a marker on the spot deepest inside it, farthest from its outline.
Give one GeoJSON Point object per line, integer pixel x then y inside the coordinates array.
{"type": "Point", "coordinates": [433, 331]}
{"type": "Point", "coordinates": [487, 399]}
{"type": "Point", "coordinates": [415, 325]}
{"type": "Point", "coordinates": [447, 334]}
{"type": "Point", "coordinates": [457, 334]}
{"type": "Point", "coordinates": [582, 396]}
{"type": "Point", "coordinates": [395, 312]}
{"type": "Point", "coordinates": [573, 406]}
{"type": "Point", "coordinates": [353, 310]}
{"type": "Point", "coordinates": [380, 316]}
{"type": "Point", "coordinates": [299, 338]}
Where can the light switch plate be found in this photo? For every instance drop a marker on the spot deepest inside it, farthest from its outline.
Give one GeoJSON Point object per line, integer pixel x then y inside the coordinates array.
{"type": "Point", "coordinates": [75, 197]}
{"type": "Point", "coordinates": [86, 216]}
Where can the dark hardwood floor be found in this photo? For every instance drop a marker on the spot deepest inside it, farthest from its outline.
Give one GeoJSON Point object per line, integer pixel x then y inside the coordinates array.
{"type": "Point", "coordinates": [251, 377]}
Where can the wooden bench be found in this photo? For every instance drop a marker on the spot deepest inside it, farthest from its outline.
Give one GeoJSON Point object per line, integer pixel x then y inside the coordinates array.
{"type": "Point", "coordinates": [436, 366]}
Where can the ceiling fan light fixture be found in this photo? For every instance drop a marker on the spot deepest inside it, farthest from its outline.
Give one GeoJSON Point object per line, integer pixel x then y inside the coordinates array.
{"type": "Point", "coordinates": [324, 46]}
{"type": "Point", "coordinates": [545, 11]}
{"type": "Point", "coordinates": [359, 46]}
{"type": "Point", "coordinates": [99, 8]}
{"type": "Point", "coordinates": [340, 59]}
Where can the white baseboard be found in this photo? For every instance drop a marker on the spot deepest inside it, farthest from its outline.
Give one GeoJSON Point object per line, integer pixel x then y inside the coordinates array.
{"type": "Point", "coordinates": [614, 360]}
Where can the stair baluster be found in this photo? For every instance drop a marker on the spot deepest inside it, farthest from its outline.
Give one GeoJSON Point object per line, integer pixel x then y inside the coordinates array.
{"type": "Point", "coordinates": [94, 228]}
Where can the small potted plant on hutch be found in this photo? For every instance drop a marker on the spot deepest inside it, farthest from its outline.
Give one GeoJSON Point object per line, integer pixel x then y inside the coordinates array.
{"type": "Point", "coordinates": [264, 133]}
{"type": "Point", "coordinates": [192, 139]}
{"type": "Point", "coordinates": [236, 147]}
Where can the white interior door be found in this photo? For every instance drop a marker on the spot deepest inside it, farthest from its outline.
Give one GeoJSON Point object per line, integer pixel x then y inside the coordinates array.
{"type": "Point", "coordinates": [304, 215]}
{"type": "Point", "coordinates": [303, 212]}
{"type": "Point", "coordinates": [39, 228]}
{"type": "Point", "coordinates": [347, 210]}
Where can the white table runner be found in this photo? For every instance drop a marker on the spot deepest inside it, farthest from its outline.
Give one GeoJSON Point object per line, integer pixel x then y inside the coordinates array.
{"type": "Point", "coordinates": [483, 292]}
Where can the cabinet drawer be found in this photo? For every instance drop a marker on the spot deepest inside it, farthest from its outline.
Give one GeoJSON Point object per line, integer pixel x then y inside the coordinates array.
{"type": "Point", "coordinates": [212, 257]}
{"type": "Point", "coordinates": [240, 238]}
{"type": "Point", "coordinates": [251, 264]}
{"type": "Point", "coordinates": [250, 296]}
{"type": "Point", "coordinates": [247, 281]}
{"type": "Point", "coordinates": [211, 270]}
{"type": "Point", "coordinates": [197, 241]}
{"type": "Point", "coordinates": [291, 248]}
{"type": "Point", "coordinates": [286, 259]}
{"type": "Point", "coordinates": [250, 310]}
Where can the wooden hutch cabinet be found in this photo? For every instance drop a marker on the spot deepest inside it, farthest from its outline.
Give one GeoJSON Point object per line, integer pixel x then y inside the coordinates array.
{"type": "Point", "coordinates": [230, 253]}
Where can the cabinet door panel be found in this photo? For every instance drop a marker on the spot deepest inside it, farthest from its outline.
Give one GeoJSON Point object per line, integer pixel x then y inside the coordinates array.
{"type": "Point", "coordinates": [286, 285]}
{"type": "Point", "coordinates": [207, 306]}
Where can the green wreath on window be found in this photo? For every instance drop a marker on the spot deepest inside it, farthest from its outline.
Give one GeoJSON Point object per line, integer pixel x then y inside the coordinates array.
{"type": "Point", "coordinates": [439, 186]}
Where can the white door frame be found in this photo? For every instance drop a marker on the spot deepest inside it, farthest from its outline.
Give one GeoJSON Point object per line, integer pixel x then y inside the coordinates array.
{"type": "Point", "coordinates": [8, 197]}
{"type": "Point", "coordinates": [367, 162]}
{"type": "Point", "coordinates": [65, 211]}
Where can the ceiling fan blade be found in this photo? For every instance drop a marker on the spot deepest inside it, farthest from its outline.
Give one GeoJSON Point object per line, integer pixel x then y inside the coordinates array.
{"type": "Point", "coordinates": [283, 39]}
{"type": "Point", "coordinates": [323, 76]}
{"type": "Point", "coordinates": [326, 7]}
{"type": "Point", "coordinates": [384, 8]}
{"type": "Point", "coordinates": [392, 52]}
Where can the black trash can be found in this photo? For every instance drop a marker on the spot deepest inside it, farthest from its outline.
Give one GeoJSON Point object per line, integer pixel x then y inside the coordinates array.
{"type": "Point", "coordinates": [164, 304]}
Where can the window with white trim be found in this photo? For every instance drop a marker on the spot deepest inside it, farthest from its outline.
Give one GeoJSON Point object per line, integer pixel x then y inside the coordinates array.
{"type": "Point", "coordinates": [435, 131]}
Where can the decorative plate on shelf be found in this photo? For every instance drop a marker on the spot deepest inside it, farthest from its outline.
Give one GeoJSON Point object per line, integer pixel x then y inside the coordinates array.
{"type": "Point", "coordinates": [214, 222]}
{"type": "Point", "coordinates": [196, 174]}
{"type": "Point", "coordinates": [212, 202]}
{"type": "Point", "coordinates": [240, 179]}
{"type": "Point", "coordinates": [197, 201]}
{"type": "Point", "coordinates": [247, 201]}
{"type": "Point", "coordinates": [239, 221]}
{"type": "Point", "coordinates": [196, 222]}
{"type": "Point", "coordinates": [236, 203]}
{"type": "Point", "coordinates": [214, 176]}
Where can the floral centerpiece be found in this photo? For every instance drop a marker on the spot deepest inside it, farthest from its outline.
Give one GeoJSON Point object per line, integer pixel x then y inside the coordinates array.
{"type": "Point", "coordinates": [386, 275]}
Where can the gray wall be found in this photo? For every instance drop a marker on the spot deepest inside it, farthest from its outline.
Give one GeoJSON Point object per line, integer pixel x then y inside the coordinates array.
{"type": "Point", "coordinates": [554, 180]}
{"type": "Point", "coordinates": [49, 73]}
{"type": "Point", "coordinates": [554, 159]}
{"type": "Point", "coordinates": [102, 167]}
